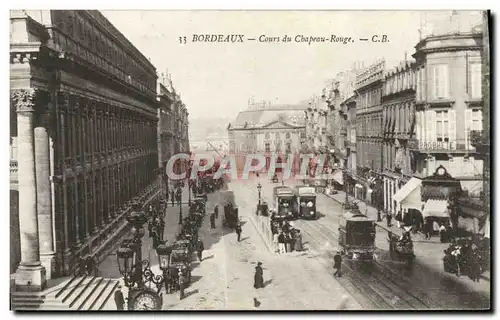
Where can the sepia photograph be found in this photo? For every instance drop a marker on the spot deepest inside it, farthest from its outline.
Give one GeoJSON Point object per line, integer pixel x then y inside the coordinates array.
{"type": "Point", "coordinates": [250, 160]}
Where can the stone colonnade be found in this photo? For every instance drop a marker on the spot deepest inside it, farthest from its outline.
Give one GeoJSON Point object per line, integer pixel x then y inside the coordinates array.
{"type": "Point", "coordinates": [80, 160]}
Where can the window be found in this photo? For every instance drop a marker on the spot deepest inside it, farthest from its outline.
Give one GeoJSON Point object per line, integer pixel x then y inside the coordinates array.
{"type": "Point", "coordinates": [475, 80]}
{"type": "Point", "coordinates": [268, 147]}
{"type": "Point", "coordinates": [268, 135]}
{"type": "Point", "coordinates": [440, 81]}
{"type": "Point", "coordinates": [277, 135]}
{"type": "Point", "coordinates": [288, 135]}
{"type": "Point", "coordinates": [476, 120]}
{"type": "Point", "coordinates": [442, 131]}
{"type": "Point", "coordinates": [288, 147]}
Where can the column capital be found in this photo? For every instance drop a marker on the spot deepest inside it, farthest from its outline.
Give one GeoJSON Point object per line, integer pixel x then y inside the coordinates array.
{"type": "Point", "coordinates": [24, 99]}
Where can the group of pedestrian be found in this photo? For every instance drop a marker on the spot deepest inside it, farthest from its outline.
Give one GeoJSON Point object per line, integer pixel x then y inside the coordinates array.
{"type": "Point", "coordinates": [286, 238]}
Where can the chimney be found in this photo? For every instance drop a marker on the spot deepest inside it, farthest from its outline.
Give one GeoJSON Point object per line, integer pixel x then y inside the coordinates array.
{"type": "Point", "coordinates": [406, 56]}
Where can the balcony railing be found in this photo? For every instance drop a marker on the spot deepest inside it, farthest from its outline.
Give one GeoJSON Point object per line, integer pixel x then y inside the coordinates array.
{"type": "Point", "coordinates": [13, 170]}
{"type": "Point", "coordinates": [434, 146]}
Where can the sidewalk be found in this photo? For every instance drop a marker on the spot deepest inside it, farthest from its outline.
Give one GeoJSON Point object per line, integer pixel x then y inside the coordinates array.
{"type": "Point", "coordinates": [292, 282]}
{"type": "Point", "coordinates": [428, 252]}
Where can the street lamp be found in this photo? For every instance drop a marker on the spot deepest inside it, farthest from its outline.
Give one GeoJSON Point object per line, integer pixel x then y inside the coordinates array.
{"type": "Point", "coordinates": [180, 210]}
{"type": "Point", "coordinates": [125, 257]}
{"type": "Point", "coordinates": [163, 253]}
{"type": "Point", "coordinates": [259, 188]}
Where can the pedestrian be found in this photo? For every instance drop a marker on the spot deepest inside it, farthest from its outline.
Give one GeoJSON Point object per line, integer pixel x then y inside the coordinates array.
{"type": "Point", "coordinates": [275, 242]}
{"type": "Point", "coordinates": [337, 259]}
{"type": "Point", "coordinates": [281, 243]}
{"type": "Point", "coordinates": [181, 285]}
{"type": "Point", "coordinates": [238, 230]}
{"type": "Point", "coordinates": [172, 197]}
{"type": "Point", "coordinates": [258, 279]}
{"type": "Point", "coordinates": [388, 217]}
{"type": "Point", "coordinates": [119, 300]}
{"type": "Point", "coordinates": [216, 210]}
{"type": "Point", "coordinates": [212, 220]}
{"type": "Point", "coordinates": [200, 249]}
{"type": "Point", "coordinates": [428, 229]}
{"type": "Point", "coordinates": [435, 227]}
{"type": "Point", "coordinates": [442, 233]}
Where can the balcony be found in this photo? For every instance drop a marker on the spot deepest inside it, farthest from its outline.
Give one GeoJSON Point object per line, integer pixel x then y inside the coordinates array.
{"type": "Point", "coordinates": [436, 146]}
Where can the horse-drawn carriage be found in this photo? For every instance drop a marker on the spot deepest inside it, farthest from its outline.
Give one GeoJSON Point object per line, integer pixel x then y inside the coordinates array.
{"type": "Point", "coordinates": [401, 247]}
{"type": "Point", "coordinates": [467, 256]}
{"type": "Point", "coordinates": [198, 204]}
{"type": "Point", "coordinates": [357, 235]}
{"type": "Point", "coordinates": [231, 218]}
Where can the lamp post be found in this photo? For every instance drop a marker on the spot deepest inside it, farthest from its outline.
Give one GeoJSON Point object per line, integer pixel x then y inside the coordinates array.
{"type": "Point", "coordinates": [259, 188]}
{"type": "Point", "coordinates": [137, 219]}
{"type": "Point", "coordinates": [180, 209]}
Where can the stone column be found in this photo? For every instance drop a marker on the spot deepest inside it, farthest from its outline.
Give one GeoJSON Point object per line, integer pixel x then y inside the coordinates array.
{"type": "Point", "coordinates": [92, 138]}
{"type": "Point", "coordinates": [85, 154]}
{"type": "Point", "coordinates": [62, 121]}
{"type": "Point", "coordinates": [385, 194]}
{"type": "Point", "coordinates": [31, 274]}
{"type": "Point", "coordinates": [76, 188]}
{"type": "Point", "coordinates": [44, 196]}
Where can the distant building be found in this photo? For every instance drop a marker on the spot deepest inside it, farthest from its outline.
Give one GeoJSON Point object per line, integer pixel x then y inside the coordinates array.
{"type": "Point", "coordinates": [398, 127]}
{"type": "Point", "coordinates": [369, 84]}
{"type": "Point", "coordinates": [269, 130]}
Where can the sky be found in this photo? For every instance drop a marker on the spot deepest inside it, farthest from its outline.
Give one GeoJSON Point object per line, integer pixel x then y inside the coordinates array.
{"type": "Point", "coordinates": [218, 79]}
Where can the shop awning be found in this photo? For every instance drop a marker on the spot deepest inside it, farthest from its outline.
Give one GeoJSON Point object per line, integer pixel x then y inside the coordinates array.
{"type": "Point", "coordinates": [409, 195]}
{"type": "Point", "coordinates": [410, 186]}
{"type": "Point", "coordinates": [338, 176]}
{"type": "Point", "coordinates": [436, 208]}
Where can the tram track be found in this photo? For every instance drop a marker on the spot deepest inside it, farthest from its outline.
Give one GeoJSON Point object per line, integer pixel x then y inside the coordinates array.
{"type": "Point", "coordinates": [393, 292]}
{"type": "Point", "coordinates": [381, 292]}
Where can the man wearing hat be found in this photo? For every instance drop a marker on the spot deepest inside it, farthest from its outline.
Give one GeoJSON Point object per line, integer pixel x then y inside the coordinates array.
{"type": "Point", "coordinates": [337, 259]}
{"type": "Point", "coordinates": [259, 276]}
{"type": "Point", "coordinates": [181, 284]}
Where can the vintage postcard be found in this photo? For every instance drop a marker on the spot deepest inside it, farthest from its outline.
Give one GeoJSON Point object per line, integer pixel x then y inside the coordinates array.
{"type": "Point", "coordinates": [249, 160]}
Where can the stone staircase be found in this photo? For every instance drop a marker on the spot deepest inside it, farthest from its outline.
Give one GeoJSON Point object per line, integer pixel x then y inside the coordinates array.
{"type": "Point", "coordinates": [81, 293]}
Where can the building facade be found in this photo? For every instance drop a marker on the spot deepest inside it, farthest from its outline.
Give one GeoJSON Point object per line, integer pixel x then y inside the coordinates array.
{"type": "Point", "coordinates": [369, 84]}
{"type": "Point", "coordinates": [448, 112]}
{"type": "Point", "coordinates": [316, 125]}
{"type": "Point", "coordinates": [269, 130]}
{"type": "Point", "coordinates": [398, 101]}
{"type": "Point", "coordinates": [83, 137]}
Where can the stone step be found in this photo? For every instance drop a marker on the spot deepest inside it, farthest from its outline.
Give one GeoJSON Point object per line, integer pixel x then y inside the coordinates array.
{"type": "Point", "coordinates": [96, 297]}
{"type": "Point", "coordinates": [106, 300]}
{"type": "Point", "coordinates": [81, 295]}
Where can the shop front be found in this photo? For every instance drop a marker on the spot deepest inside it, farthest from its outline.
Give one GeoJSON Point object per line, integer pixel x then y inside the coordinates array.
{"type": "Point", "coordinates": [440, 194]}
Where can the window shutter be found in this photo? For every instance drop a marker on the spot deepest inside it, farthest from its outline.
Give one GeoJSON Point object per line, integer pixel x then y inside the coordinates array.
{"type": "Point", "coordinates": [468, 127]}
{"type": "Point", "coordinates": [446, 80]}
{"type": "Point", "coordinates": [430, 125]}
{"type": "Point", "coordinates": [452, 127]}
{"type": "Point", "coordinates": [432, 84]}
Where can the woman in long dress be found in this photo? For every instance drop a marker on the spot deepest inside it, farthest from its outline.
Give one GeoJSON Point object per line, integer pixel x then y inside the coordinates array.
{"type": "Point", "coordinates": [259, 276]}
